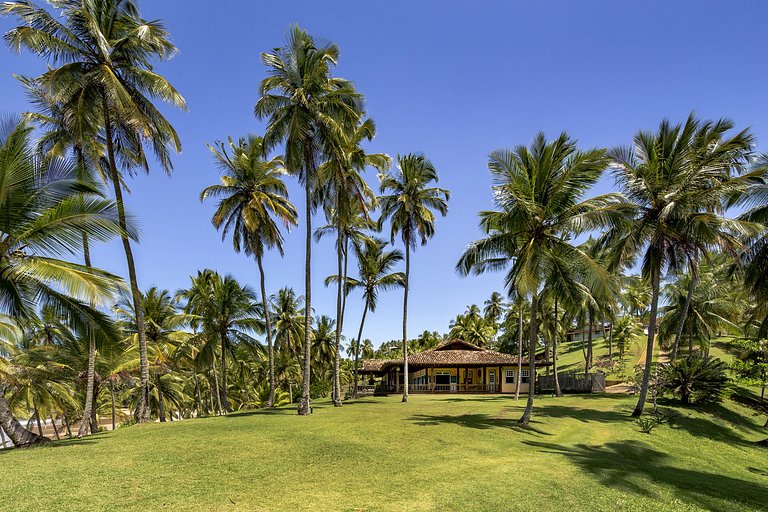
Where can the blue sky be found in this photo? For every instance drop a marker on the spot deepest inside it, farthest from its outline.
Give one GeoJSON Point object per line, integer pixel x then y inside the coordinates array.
{"type": "Point", "coordinates": [455, 80]}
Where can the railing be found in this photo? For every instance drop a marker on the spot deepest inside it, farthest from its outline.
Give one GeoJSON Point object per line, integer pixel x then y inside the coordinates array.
{"type": "Point", "coordinates": [440, 388]}
{"type": "Point", "coordinates": [366, 389]}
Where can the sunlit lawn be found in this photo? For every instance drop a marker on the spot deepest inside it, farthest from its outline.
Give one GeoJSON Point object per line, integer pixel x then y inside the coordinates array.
{"type": "Point", "coordinates": [434, 453]}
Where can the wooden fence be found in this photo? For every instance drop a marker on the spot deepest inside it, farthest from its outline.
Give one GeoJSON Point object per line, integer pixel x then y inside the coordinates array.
{"type": "Point", "coordinates": [573, 382]}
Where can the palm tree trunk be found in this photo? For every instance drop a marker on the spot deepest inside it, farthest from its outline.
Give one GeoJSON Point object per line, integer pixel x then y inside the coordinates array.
{"type": "Point", "coordinates": [160, 401]}
{"type": "Point", "coordinates": [142, 411]}
{"type": "Point", "coordinates": [405, 316]}
{"type": "Point", "coordinates": [558, 391]}
{"type": "Point", "coordinates": [94, 421]}
{"type": "Point", "coordinates": [37, 419]}
{"type": "Point", "coordinates": [55, 430]}
{"type": "Point", "coordinates": [519, 351]}
{"type": "Point", "coordinates": [610, 339]}
{"type": "Point", "coordinates": [218, 392]}
{"type": "Point", "coordinates": [303, 408]}
{"type": "Point", "coordinates": [198, 396]}
{"type": "Point", "coordinates": [223, 389]}
{"type": "Point", "coordinates": [526, 418]}
{"type": "Point", "coordinates": [655, 278]}
{"type": "Point", "coordinates": [357, 348]}
{"type": "Point", "coordinates": [337, 343]}
{"type": "Point", "coordinates": [588, 362]}
{"type": "Point", "coordinates": [112, 399]}
{"type": "Point", "coordinates": [268, 327]}
{"type": "Point", "coordinates": [683, 315]}
{"type": "Point", "coordinates": [18, 435]}
{"type": "Point", "coordinates": [84, 423]}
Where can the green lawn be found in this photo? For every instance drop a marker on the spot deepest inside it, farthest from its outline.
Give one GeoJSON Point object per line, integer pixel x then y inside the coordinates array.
{"type": "Point", "coordinates": [434, 453]}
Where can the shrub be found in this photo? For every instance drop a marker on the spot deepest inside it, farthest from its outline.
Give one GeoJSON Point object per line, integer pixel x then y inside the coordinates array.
{"type": "Point", "coordinates": [646, 425]}
{"type": "Point", "coordinates": [698, 378]}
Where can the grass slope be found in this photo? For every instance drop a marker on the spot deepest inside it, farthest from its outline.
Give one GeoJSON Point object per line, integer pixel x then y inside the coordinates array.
{"type": "Point", "coordinates": [434, 453]}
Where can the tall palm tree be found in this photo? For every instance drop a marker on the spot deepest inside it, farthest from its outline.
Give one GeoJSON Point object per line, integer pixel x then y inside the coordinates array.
{"type": "Point", "coordinates": [539, 192]}
{"type": "Point", "coordinates": [288, 313]}
{"type": "Point", "coordinates": [227, 312]}
{"type": "Point", "coordinates": [347, 196]}
{"type": "Point", "coordinates": [375, 274]}
{"type": "Point", "coordinates": [409, 205]}
{"type": "Point", "coordinates": [253, 201]}
{"type": "Point", "coordinates": [164, 324]}
{"type": "Point", "coordinates": [307, 108]}
{"type": "Point", "coordinates": [494, 307]}
{"type": "Point", "coordinates": [323, 347]}
{"type": "Point", "coordinates": [44, 210]}
{"type": "Point", "coordinates": [105, 50]}
{"type": "Point", "coordinates": [674, 212]}
{"type": "Point", "coordinates": [711, 150]}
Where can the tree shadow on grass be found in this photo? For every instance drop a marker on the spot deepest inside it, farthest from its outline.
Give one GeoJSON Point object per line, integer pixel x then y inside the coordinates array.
{"type": "Point", "coordinates": [476, 421]}
{"type": "Point", "coordinates": [56, 443]}
{"type": "Point", "coordinates": [633, 466]}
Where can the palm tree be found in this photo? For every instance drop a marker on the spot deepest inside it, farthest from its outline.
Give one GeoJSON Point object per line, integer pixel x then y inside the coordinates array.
{"type": "Point", "coordinates": [635, 297]}
{"type": "Point", "coordinates": [375, 274]}
{"type": "Point", "coordinates": [753, 259]}
{"type": "Point", "coordinates": [254, 199]}
{"type": "Point", "coordinates": [164, 331]}
{"type": "Point", "coordinates": [227, 312]}
{"type": "Point", "coordinates": [626, 330]}
{"type": "Point", "coordinates": [710, 309]}
{"type": "Point", "coordinates": [473, 329]}
{"type": "Point", "coordinates": [105, 50]}
{"type": "Point", "coordinates": [323, 351]}
{"type": "Point", "coordinates": [307, 109]}
{"type": "Point", "coordinates": [289, 322]}
{"type": "Point", "coordinates": [539, 193]}
{"type": "Point", "coordinates": [70, 126]}
{"type": "Point", "coordinates": [409, 206]}
{"type": "Point", "coordinates": [494, 308]}
{"type": "Point", "coordinates": [712, 151]}
{"type": "Point", "coordinates": [673, 214]}
{"type": "Point", "coordinates": [347, 196]}
{"type": "Point", "coordinates": [44, 210]}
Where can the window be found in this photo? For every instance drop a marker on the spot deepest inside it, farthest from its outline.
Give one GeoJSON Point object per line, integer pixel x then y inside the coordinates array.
{"type": "Point", "coordinates": [525, 377]}
{"type": "Point", "coordinates": [509, 377]}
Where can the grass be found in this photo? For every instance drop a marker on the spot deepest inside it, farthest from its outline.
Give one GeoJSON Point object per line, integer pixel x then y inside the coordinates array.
{"type": "Point", "coordinates": [434, 453]}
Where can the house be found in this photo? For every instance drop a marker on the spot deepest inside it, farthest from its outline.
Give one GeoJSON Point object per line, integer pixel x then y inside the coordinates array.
{"type": "Point", "coordinates": [598, 331]}
{"type": "Point", "coordinates": [454, 366]}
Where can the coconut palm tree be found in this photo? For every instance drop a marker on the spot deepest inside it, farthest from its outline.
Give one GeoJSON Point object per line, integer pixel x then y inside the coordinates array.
{"type": "Point", "coordinates": [539, 192]}
{"type": "Point", "coordinates": [253, 202]}
{"type": "Point", "coordinates": [494, 307]}
{"type": "Point", "coordinates": [44, 210]}
{"type": "Point", "coordinates": [410, 205]}
{"type": "Point", "coordinates": [473, 329]}
{"type": "Point", "coordinates": [674, 212]}
{"type": "Point", "coordinates": [375, 274]}
{"type": "Point", "coordinates": [753, 259]}
{"type": "Point", "coordinates": [307, 109]}
{"type": "Point", "coordinates": [347, 196]}
{"type": "Point", "coordinates": [711, 150]}
{"type": "Point", "coordinates": [227, 312]}
{"type": "Point", "coordinates": [105, 50]}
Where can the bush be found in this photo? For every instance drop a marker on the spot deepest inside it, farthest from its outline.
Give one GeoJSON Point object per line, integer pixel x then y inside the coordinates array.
{"type": "Point", "coordinates": [697, 378]}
